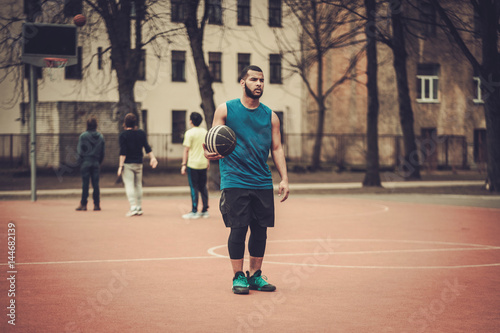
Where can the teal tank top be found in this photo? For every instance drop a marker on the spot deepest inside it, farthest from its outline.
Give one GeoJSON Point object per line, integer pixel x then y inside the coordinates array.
{"type": "Point", "coordinates": [246, 167]}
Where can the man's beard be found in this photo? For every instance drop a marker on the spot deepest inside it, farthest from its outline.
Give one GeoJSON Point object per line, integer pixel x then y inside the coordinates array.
{"type": "Point", "coordinates": [250, 94]}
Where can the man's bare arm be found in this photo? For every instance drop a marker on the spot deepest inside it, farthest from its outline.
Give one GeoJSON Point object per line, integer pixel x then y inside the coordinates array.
{"type": "Point", "coordinates": [279, 157]}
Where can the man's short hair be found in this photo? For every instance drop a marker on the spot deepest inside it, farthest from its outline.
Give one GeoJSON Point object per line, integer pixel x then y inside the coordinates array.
{"type": "Point", "coordinates": [130, 120]}
{"type": "Point", "coordinates": [92, 123]}
{"type": "Point", "coordinates": [196, 118]}
{"type": "Point", "coordinates": [244, 72]}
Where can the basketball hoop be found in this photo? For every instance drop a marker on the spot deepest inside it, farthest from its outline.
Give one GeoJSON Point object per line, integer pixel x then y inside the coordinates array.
{"type": "Point", "coordinates": [53, 63]}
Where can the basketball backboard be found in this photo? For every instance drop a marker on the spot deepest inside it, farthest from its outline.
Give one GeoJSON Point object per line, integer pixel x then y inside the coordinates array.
{"type": "Point", "coordinates": [42, 40]}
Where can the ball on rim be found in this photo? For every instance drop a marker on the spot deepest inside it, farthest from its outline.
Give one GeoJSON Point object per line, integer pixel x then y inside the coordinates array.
{"type": "Point", "coordinates": [79, 20]}
{"type": "Point", "coordinates": [220, 139]}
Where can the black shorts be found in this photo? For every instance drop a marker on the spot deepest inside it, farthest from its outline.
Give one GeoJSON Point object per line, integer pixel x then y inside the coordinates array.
{"type": "Point", "coordinates": [239, 207]}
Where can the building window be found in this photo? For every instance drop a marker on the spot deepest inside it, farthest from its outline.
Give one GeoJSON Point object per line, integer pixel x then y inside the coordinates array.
{"type": "Point", "coordinates": [478, 96]}
{"type": "Point", "coordinates": [428, 83]}
{"type": "Point", "coordinates": [480, 152]}
{"type": "Point", "coordinates": [179, 66]}
{"type": "Point", "coordinates": [141, 73]}
{"type": "Point", "coordinates": [144, 116]}
{"type": "Point", "coordinates": [177, 10]}
{"type": "Point", "coordinates": [243, 12]}
{"type": "Point", "coordinates": [275, 66]}
{"type": "Point", "coordinates": [72, 7]}
{"type": "Point", "coordinates": [74, 72]}
{"type": "Point", "coordinates": [243, 61]}
{"type": "Point", "coordinates": [275, 13]}
{"type": "Point", "coordinates": [428, 19]}
{"type": "Point", "coordinates": [215, 66]}
{"type": "Point", "coordinates": [178, 126]}
{"type": "Point", "coordinates": [429, 147]}
{"type": "Point", "coordinates": [215, 12]}
{"type": "Point", "coordinates": [99, 58]}
{"type": "Point", "coordinates": [38, 72]}
{"type": "Point", "coordinates": [133, 10]}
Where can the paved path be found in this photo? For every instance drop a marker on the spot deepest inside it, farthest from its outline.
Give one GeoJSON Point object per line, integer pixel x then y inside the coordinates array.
{"type": "Point", "coordinates": [181, 190]}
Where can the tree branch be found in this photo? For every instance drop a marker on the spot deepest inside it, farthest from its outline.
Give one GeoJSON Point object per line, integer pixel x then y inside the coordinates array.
{"type": "Point", "coordinates": [455, 34]}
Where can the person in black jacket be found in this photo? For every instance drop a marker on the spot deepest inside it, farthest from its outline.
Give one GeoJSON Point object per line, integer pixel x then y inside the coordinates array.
{"type": "Point", "coordinates": [90, 151]}
{"type": "Point", "coordinates": [132, 141]}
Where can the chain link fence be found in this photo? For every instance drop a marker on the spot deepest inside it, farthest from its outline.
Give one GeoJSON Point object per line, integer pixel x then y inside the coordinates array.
{"type": "Point", "coordinates": [346, 151]}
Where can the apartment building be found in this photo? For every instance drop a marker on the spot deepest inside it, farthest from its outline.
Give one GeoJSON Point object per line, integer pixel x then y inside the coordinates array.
{"type": "Point", "coordinates": [238, 33]}
{"type": "Point", "coordinates": [447, 102]}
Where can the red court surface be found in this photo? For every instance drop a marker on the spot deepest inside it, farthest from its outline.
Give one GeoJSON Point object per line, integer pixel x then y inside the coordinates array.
{"type": "Point", "coordinates": [340, 264]}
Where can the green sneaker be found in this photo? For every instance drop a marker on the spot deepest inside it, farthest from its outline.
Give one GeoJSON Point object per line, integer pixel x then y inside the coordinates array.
{"type": "Point", "coordinates": [258, 282]}
{"type": "Point", "coordinates": [240, 284]}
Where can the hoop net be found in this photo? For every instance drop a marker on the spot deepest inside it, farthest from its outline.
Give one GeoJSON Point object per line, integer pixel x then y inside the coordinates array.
{"type": "Point", "coordinates": [55, 62]}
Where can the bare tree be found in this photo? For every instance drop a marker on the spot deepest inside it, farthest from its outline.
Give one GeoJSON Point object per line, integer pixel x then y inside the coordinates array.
{"type": "Point", "coordinates": [410, 167]}
{"type": "Point", "coordinates": [125, 22]}
{"type": "Point", "coordinates": [195, 29]}
{"type": "Point", "coordinates": [488, 67]}
{"type": "Point", "coordinates": [125, 52]}
{"type": "Point", "coordinates": [372, 176]}
{"type": "Point", "coordinates": [322, 27]}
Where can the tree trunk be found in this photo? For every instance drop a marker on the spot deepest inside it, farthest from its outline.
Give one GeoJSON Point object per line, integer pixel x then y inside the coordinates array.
{"type": "Point", "coordinates": [318, 139]}
{"type": "Point", "coordinates": [410, 169]}
{"type": "Point", "coordinates": [195, 34]}
{"type": "Point", "coordinates": [204, 80]}
{"type": "Point", "coordinates": [124, 59]}
{"type": "Point", "coordinates": [126, 102]}
{"type": "Point", "coordinates": [490, 80]}
{"type": "Point", "coordinates": [372, 176]}
{"type": "Point", "coordinates": [126, 74]}
{"type": "Point", "coordinates": [320, 100]}
{"type": "Point", "coordinates": [492, 115]}
{"type": "Point", "coordinates": [490, 77]}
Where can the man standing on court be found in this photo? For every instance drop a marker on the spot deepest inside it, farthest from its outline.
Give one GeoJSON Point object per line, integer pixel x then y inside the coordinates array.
{"type": "Point", "coordinates": [195, 165]}
{"type": "Point", "coordinates": [132, 141]}
{"type": "Point", "coordinates": [90, 152]}
{"type": "Point", "coordinates": [247, 198]}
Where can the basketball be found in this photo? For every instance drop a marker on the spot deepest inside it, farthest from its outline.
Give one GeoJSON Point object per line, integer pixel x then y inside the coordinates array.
{"type": "Point", "coordinates": [220, 139]}
{"type": "Point", "coordinates": [79, 20]}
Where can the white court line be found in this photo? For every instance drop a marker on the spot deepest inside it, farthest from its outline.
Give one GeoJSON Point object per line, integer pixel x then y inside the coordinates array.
{"type": "Point", "coordinates": [384, 267]}
{"type": "Point", "coordinates": [107, 261]}
{"type": "Point", "coordinates": [214, 255]}
{"type": "Point", "coordinates": [471, 247]}
{"type": "Point", "coordinates": [362, 240]}
{"type": "Point", "coordinates": [384, 251]}
{"type": "Point", "coordinates": [368, 252]}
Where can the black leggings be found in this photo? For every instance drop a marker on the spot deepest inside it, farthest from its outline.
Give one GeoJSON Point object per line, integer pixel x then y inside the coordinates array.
{"type": "Point", "coordinates": [256, 242]}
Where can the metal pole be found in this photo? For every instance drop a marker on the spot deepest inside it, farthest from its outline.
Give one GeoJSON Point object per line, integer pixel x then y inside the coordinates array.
{"type": "Point", "coordinates": [33, 88]}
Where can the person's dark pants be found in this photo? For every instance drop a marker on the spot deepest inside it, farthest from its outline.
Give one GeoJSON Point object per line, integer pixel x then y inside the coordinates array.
{"type": "Point", "coordinates": [198, 183]}
{"type": "Point", "coordinates": [256, 241]}
{"type": "Point", "coordinates": [243, 208]}
{"type": "Point", "coordinates": [90, 172]}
